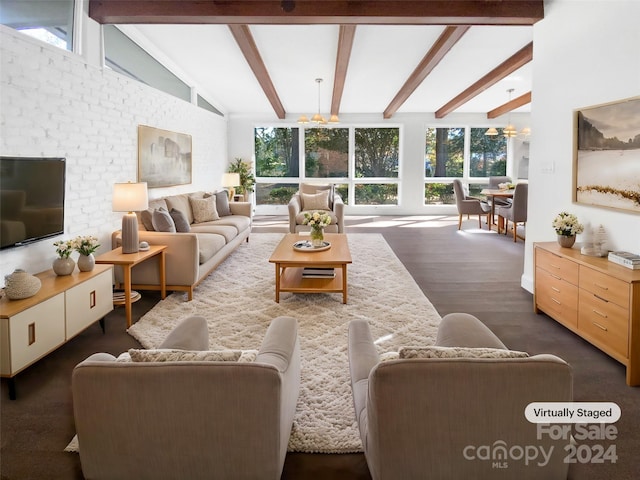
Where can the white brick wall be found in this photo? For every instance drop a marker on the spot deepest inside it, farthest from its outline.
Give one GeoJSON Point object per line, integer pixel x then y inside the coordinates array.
{"type": "Point", "coordinates": [53, 104]}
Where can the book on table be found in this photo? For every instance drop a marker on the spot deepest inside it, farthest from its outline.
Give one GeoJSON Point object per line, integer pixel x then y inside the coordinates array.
{"type": "Point", "coordinates": [626, 259]}
{"type": "Point", "coordinates": [318, 272]}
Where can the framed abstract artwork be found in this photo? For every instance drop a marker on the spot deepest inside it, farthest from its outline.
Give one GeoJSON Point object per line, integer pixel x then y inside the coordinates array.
{"type": "Point", "coordinates": [607, 155]}
{"type": "Point", "coordinates": [164, 157]}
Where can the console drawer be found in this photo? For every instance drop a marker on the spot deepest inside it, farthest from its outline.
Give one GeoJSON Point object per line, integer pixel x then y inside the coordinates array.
{"type": "Point", "coordinates": [605, 322]}
{"type": "Point", "coordinates": [557, 298]}
{"type": "Point", "coordinates": [605, 286]}
{"type": "Point", "coordinates": [558, 266]}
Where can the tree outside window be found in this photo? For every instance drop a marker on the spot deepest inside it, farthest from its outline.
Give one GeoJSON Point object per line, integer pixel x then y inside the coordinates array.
{"type": "Point", "coordinates": [277, 152]}
{"type": "Point", "coordinates": [326, 152]}
{"type": "Point", "coordinates": [488, 154]}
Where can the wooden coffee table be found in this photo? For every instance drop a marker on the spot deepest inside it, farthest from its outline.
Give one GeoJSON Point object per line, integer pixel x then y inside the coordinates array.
{"type": "Point", "coordinates": [290, 263]}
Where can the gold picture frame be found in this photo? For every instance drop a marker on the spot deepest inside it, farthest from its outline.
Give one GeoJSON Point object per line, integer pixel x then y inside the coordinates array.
{"type": "Point", "coordinates": [607, 155]}
{"type": "Point", "coordinates": [164, 157]}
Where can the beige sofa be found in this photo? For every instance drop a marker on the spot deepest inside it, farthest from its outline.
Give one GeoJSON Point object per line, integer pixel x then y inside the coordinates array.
{"type": "Point", "coordinates": [432, 417]}
{"type": "Point", "coordinates": [189, 419]}
{"type": "Point", "coordinates": [190, 256]}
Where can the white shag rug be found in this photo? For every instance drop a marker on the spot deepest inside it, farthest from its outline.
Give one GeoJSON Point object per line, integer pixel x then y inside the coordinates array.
{"type": "Point", "coordinates": [238, 300]}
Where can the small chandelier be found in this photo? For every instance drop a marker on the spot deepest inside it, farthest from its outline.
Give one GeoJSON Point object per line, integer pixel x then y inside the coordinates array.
{"type": "Point", "coordinates": [509, 131]}
{"type": "Point", "coordinates": [318, 119]}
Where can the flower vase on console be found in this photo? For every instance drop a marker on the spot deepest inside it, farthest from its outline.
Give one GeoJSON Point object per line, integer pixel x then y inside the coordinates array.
{"type": "Point", "coordinates": [63, 265]}
{"type": "Point", "coordinates": [86, 262]}
{"type": "Point", "coordinates": [567, 227]}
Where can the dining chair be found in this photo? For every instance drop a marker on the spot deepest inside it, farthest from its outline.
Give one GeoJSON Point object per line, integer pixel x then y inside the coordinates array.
{"type": "Point", "coordinates": [494, 184]}
{"type": "Point", "coordinates": [516, 212]}
{"type": "Point", "coordinates": [469, 205]}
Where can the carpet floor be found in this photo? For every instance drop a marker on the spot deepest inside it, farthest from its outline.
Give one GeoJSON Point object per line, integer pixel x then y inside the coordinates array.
{"type": "Point", "coordinates": [240, 306]}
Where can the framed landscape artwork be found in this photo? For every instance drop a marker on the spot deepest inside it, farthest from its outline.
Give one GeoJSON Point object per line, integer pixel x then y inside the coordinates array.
{"type": "Point", "coordinates": [607, 155]}
{"type": "Point", "coordinates": [164, 157]}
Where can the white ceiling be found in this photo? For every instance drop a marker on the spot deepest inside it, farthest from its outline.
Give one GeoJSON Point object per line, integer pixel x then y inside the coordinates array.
{"type": "Point", "coordinates": [382, 59]}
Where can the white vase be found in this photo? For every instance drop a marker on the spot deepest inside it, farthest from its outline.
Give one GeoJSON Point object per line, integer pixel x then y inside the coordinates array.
{"type": "Point", "coordinates": [21, 284]}
{"type": "Point", "coordinates": [86, 262]}
{"type": "Point", "coordinates": [63, 266]}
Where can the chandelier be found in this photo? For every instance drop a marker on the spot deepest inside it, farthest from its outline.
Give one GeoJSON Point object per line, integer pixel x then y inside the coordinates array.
{"type": "Point", "coordinates": [318, 119]}
{"type": "Point", "coordinates": [509, 131]}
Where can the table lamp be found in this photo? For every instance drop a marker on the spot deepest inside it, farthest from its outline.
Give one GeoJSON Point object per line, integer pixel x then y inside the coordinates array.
{"type": "Point", "coordinates": [230, 181]}
{"type": "Point", "coordinates": [130, 197]}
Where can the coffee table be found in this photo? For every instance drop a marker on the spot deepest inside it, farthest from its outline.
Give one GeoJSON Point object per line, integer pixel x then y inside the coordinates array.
{"type": "Point", "coordinates": [290, 264]}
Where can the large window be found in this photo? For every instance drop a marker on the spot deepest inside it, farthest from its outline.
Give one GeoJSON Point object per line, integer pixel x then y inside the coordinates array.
{"type": "Point", "coordinates": [286, 156]}
{"type": "Point", "coordinates": [46, 20]}
{"type": "Point", "coordinates": [458, 152]}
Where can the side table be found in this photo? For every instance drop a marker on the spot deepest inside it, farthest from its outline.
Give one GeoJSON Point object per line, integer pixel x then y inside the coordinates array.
{"type": "Point", "coordinates": [127, 261]}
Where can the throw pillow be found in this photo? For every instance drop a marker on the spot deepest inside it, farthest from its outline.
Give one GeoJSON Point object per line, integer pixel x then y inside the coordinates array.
{"type": "Point", "coordinates": [180, 220]}
{"type": "Point", "coordinates": [458, 352]}
{"type": "Point", "coordinates": [146, 216]}
{"type": "Point", "coordinates": [162, 221]}
{"type": "Point", "coordinates": [204, 209]}
{"type": "Point", "coordinates": [222, 203]}
{"type": "Point", "coordinates": [316, 201]}
{"type": "Point", "coordinates": [170, 355]}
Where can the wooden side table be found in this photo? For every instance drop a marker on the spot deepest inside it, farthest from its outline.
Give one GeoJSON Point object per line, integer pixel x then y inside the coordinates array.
{"type": "Point", "coordinates": [127, 261]}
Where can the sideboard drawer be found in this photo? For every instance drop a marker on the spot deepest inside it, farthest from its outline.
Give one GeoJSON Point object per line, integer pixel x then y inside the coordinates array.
{"type": "Point", "coordinates": [605, 286]}
{"type": "Point", "coordinates": [557, 298]}
{"type": "Point", "coordinates": [605, 322]}
{"type": "Point", "coordinates": [558, 266]}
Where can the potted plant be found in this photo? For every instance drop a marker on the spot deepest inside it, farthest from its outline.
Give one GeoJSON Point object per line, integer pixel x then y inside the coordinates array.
{"type": "Point", "coordinates": [247, 180]}
{"type": "Point", "coordinates": [85, 246]}
{"type": "Point", "coordinates": [567, 227]}
{"type": "Point", "coordinates": [63, 265]}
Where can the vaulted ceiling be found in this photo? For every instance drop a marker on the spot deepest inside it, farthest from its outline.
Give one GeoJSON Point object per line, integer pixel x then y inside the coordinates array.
{"type": "Point", "coordinates": [380, 57]}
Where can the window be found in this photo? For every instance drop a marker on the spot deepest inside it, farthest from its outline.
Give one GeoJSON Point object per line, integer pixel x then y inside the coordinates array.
{"type": "Point", "coordinates": [326, 152]}
{"type": "Point", "coordinates": [51, 22]}
{"type": "Point", "coordinates": [277, 153]}
{"type": "Point", "coordinates": [377, 152]}
{"type": "Point", "coordinates": [202, 103]}
{"type": "Point", "coordinates": [126, 57]}
{"type": "Point", "coordinates": [445, 159]}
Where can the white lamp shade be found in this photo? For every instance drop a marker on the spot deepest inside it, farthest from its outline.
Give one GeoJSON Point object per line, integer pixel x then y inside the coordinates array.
{"type": "Point", "coordinates": [130, 197]}
{"type": "Point", "coordinates": [231, 180]}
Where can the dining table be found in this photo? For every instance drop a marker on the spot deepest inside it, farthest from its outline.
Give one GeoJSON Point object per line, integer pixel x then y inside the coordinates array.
{"type": "Point", "coordinates": [496, 193]}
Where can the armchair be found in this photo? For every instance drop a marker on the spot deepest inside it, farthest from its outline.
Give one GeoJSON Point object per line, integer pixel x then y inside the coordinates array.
{"type": "Point", "coordinates": [312, 197]}
{"type": "Point", "coordinates": [469, 205]}
{"type": "Point", "coordinates": [418, 417]}
{"type": "Point", "coordinates": [189, 419]}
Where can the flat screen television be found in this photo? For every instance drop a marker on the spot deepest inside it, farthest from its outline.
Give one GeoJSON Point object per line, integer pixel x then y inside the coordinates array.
{"type": "Point", "coordinates": [31, 199]}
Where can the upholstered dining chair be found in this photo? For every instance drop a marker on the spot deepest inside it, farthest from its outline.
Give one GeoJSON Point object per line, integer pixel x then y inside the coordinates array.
{"type": "Point", "coordinates": [516, 212]}
{"type": "Point", "coordinates": [311, 197]}
{"type": "Point", "coordinates": [494, 184]}
{"type": "Point", "coordinates": [469, 205]}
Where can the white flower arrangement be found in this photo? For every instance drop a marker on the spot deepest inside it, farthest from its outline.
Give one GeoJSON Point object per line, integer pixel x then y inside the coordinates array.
{"type": "Point", "coordinates": [85, 245]}
{"type": "Point", "coordinates": [64, 248]}
{"type": "Point", "coordinates": [567, 224]}
{"type": "Point", "coordinates": [316, 220]}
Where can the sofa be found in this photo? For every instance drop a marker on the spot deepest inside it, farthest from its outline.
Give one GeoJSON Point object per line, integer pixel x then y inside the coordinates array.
{"type": "Point", "coordinates": [453, 412]}
{"type": "Point", "coordinates": [199, 229]}
{"type": "Point", "coordinates": [201, 419]}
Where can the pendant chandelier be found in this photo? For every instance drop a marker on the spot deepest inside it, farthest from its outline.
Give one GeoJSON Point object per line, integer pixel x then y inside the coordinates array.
{"type": "Point", "coordinates": [509, 131]}
{"type": "Point", "coordinates": [318, 119]}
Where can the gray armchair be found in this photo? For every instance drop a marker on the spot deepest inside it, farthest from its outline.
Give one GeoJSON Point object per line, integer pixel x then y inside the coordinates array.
{"type": "Point", "coordinates": [469, 205]}
{"type": "Point", "coordinates": [424, 418]}
{"type": "Point", "coordinates": [516, 212]}
{"type": "Point", "coordinates": [195, 420]}
{"type": "Point", "coordinates": [334, 207]}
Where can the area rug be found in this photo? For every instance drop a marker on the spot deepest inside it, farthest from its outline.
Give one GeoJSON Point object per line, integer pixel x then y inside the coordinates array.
{"type": "Point", "coordinates": [238, 300]}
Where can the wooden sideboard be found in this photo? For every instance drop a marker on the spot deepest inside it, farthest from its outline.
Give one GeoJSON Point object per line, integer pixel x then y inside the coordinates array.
{"type": "Point", "coordinates": [64, 306]}
{"type": "Point", "coordinates": [593, 297]}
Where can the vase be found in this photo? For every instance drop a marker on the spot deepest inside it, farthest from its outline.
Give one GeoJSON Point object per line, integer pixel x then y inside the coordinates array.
{"type": "Point", "coordinates": [63, 266]}
{"type": "Point", "coordinates": [566, 241]}
{"type": "Point", "coordinates": [317, 237]}
{"type": "Point", "coordinates": [21, 284]}
{"type": "Point", "coordinates": [86, 262]}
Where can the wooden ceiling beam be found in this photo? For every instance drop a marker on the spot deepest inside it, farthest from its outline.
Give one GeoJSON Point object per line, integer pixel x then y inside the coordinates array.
{"type": "Point", "coordinates": [345, 44]}
{"type": "Point", "coordinates": [247, 45]}
{"type": "Point", "coordinates": [343, 12]}
{"type": "Point", "coordinates": [440, 48]}
{"type": "Point", "coordinates": [509, 106]}
{"type": "Point", "coordinates": [513, 63]}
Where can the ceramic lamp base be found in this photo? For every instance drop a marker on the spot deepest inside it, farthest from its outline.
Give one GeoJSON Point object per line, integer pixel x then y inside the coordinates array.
{"type": "Point", "coordinates": [130, 239]}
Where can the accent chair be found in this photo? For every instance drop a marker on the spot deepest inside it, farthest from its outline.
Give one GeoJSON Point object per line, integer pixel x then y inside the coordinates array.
{"type": "Point", "coordinates": [427, 417]}
{"type": "Point", "coordinates": [189, 419]}
{"type": "Point", "coordinates": [312, 197]}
